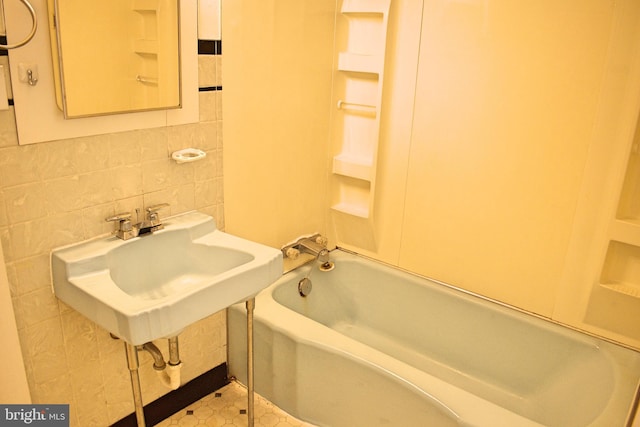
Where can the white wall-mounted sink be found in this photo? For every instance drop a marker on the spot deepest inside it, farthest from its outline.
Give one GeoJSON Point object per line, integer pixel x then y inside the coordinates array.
{"type": "Point", "coordinates": [154, 286]}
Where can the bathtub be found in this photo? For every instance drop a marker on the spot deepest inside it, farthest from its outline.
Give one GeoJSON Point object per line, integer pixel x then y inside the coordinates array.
{"type": "Point", "coordinates": [375, 346]}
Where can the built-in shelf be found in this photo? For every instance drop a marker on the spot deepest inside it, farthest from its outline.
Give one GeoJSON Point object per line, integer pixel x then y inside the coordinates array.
{"type": "Point", "coordinates": [358, 211]}
{"type": "Point", "coordinates": [365, 6]}
{"type": "Point", "coordinates": [353, 167]}
{"type": "Point", "coordinates": [361, 34]}
{"type": "Point", "coordinates": [621, 269]}
{"type": "Point", "coordinates": [145, 47]}
{"type": "Point", "coordinates": [145, 5]}
{"type": "Point", "coordinates": [352, 196]}
{"type": "Point", "coordinates": [614, 300]}
{"type": "Point", "coordinates": [631, 222]}
{"type": "Point", "coordinates": [624, 289]}
{"type": "Point", "coordinates": [361, 63]}
{"type": "Point", "coordinates": [626, 231]}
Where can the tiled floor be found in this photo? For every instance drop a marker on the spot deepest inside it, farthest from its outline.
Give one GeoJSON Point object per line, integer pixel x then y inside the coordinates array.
{"type": "Point", "coordinates": [227, 407]}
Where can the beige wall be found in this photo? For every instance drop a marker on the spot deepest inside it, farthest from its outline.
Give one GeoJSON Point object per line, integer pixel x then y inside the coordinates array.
{"type": "Point", "coordinates": [59, 192]}
{"type": "Point", "coordinates": [510, 107]}
{"type": "Point", "coordinates": [522, 117]}
{"type": "Point", "coordinates": [505, 105]}
{"type": "Point", "coordinates": [487, 182]}
{"type": "Point", "coordinates": [276, 96]}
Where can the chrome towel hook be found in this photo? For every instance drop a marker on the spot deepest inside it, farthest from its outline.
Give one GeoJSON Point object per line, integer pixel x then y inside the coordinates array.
{"type": "Point", "coordinates": [31, 34]}
{"type": "Point", "coordinates": [30, 78]}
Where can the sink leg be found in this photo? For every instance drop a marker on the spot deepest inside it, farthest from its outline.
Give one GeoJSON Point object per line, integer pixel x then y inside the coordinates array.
{"type": "Point", "coordinates": [132, 362]}
{"type": "Point", "coordinates": [250, 388]}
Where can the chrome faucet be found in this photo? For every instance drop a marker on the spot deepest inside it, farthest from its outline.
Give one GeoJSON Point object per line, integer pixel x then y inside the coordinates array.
{"type": "Point", "coordinates": [127, 231]}
{"type": "Point", "coordinates": [315, 245]}
{"type": "Point", "coordinates": [152, 221]}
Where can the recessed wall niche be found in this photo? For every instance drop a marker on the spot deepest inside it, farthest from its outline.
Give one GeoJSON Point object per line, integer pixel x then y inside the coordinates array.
{"type": "Point", "coordinates": [618, 290]}
{"type": "Point", "coordinates": [358, 84]}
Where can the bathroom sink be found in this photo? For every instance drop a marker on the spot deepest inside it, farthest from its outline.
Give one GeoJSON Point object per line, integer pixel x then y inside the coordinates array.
{"type": "Point", "coordinates": [155, 285]}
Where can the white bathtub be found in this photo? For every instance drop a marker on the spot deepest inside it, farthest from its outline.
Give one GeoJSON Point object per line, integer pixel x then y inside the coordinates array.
{"type": "Point", "coordinates": [372, 345]}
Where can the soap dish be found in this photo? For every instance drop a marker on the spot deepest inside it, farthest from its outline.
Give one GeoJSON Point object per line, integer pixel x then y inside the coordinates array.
{"type": "Point", "coordinates": [188, 155]}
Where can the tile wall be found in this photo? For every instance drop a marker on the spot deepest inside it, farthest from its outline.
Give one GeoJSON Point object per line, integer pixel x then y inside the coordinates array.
{"type": "Point", "coordinates": [59, 192]}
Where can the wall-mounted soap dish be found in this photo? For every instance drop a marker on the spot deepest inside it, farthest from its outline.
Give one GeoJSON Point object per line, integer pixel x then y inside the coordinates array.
{"type": "Point", "coordinates": [188, 155]}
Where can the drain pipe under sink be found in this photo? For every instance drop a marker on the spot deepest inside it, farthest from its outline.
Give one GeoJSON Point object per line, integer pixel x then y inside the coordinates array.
{"type": "Point", "coordinates": [169, 374]}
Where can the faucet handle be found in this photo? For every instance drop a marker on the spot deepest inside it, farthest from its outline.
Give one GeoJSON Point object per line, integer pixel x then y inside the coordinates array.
{"type": "Point", "coordinates": [152, 211]}
{"type": "Point", "coordinates": [125, 230]}
{"type": "Point", "coordinates": [123, 220]}
{"type": "Point", "coordinates": [321, 240]}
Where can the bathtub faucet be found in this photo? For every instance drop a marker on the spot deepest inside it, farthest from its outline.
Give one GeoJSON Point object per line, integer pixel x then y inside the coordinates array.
{"type": "Point", "coordinates": [315, 245]}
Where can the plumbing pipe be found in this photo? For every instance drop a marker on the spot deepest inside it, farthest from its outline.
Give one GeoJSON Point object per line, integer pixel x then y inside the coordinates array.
{"type": "Point", "coordinates": [158, 360]}
{"type": "Point", "coordinates": [174, 354]}
{"type": "Point", "coordinates": [172, 377]}
{"type": "Point", "coordinates": [169, 374]}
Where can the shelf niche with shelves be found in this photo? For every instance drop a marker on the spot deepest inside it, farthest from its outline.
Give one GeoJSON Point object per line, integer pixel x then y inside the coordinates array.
{"type": "Point", "coordinates": [621, 269]}
{"type": "Point", "coordinates": [614, 303]}
{"type": "Point", "coordinates": [621, 266]}
{"type": "Point", "coordinates": [361, 34]}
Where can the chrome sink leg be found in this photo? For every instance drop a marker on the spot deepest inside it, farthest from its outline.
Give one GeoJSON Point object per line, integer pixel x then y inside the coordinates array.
{"type": "Point", "coordinates": [250, 391]}
{"type": "Point", "coordinates": [133, 364]}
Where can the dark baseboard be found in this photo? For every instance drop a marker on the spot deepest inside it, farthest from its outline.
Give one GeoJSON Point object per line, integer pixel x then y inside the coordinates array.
{"type": "Point", "coordinates": [176, 400]}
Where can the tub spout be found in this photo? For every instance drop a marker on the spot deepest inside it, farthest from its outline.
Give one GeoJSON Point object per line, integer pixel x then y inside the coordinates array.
{"type": "Point", "coordinates": [314, 245]}
{"type": "Point", "coordinates": [317, 248]}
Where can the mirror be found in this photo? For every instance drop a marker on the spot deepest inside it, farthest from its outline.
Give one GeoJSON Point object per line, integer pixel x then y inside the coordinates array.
{"type": "Point", "coordinates": [115, 56]}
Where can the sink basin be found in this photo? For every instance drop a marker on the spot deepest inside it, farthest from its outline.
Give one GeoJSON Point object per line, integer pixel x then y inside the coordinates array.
{"type": "Point", "coordinates": [154, 286]}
